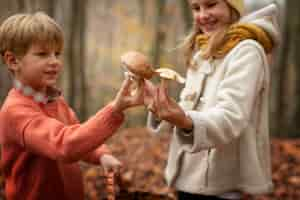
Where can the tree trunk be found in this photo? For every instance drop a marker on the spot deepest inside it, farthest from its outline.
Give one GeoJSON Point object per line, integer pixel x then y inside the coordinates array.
{"type": "Point", "coordinates": [82, 67]}
{"type": "Point", "coordinates": [294, 31]}
{"type": "Point", "coordinates": [187, 16]}
{"type": "Point", "coordinates": [76, 51]}
{"type": "Point", "coordinates": [142, 11]}
{"type": "Point", "coordinates": [159, 35]}
{"type": "Point", "coordinates": [278, 108]}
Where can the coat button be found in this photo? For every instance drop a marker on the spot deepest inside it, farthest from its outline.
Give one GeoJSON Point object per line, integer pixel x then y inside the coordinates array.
{"type": "Point", "coordinates": [203, 100]}
{"type": "Point", "coordinates": [190, 97]}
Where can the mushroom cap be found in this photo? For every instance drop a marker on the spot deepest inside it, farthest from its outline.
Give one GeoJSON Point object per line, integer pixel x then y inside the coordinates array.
{"type": "Point", "coordinates": [170, 74]}
{"type": "Point", "coordinates": [138, 64]}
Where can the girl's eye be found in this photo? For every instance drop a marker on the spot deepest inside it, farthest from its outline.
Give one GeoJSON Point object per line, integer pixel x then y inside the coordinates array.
{"type": "Point", "coordinates": [195, 8]}
{"type": "Point", "coordinates": [210, 5]}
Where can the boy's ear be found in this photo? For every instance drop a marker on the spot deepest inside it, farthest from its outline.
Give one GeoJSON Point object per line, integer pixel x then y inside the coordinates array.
{"type": "Point", "coordinates": [11, 60]}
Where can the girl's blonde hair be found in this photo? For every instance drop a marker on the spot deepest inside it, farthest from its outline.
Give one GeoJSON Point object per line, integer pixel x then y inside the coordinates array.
{"type": "Point", "coordinates": [214, 42]}
{"type": "Point", "coordinates": [20, 31]}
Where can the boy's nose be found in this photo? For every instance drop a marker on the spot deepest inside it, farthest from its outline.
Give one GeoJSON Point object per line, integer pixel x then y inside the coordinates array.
{"type": "Point", "coordinates": [54, 60]}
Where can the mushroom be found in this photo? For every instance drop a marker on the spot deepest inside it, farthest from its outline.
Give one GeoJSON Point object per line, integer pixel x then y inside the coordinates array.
{"type": "Point", "coordinates": [138, 65]}
{"type": "Point", "coordinates": [167, 73]}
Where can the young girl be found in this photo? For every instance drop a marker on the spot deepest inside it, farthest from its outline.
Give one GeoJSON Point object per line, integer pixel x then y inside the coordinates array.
{"type": "Point", "coordinates": [41, 138]}
{"type": "Point", "coordinates": [220, 142]}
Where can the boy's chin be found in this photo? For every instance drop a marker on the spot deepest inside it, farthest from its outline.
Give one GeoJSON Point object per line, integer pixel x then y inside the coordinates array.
{"type": "Point", "coordinates": [51, 84]}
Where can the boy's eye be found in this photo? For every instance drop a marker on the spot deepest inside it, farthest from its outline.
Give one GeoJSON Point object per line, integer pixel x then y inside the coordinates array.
{"type": "Point", "coordinates": [58, 54]}
{"type": "Point", "coordinates": [41, 53]}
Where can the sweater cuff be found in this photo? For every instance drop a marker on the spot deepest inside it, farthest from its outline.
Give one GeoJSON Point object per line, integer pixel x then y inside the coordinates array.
{"type": "Point", "coordinates": [118, 116]}
{"type": "Point", "coordinates": [94, 156]}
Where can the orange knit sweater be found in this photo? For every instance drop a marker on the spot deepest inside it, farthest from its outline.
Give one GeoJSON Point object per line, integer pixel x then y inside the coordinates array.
{"type": "Point", "coordinates": [41, 144]}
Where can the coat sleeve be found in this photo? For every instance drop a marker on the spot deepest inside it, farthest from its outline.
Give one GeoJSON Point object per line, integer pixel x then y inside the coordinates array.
{"type": "Point", "coordinates": [236, 96]}
{"type": "Point", "coordinates": [49, 137]}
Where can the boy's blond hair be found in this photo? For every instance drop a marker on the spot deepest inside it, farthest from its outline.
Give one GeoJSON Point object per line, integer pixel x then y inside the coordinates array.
{"type": "Point", "coordinates": [20, 31]}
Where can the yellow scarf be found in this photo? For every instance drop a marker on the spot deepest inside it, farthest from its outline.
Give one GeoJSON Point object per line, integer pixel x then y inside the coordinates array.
{"type": "Point", "coordinates": [235, 34]}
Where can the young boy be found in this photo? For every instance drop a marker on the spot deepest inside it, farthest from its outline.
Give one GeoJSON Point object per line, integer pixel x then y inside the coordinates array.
{"type": "Point", "coordinates": [41, 138]}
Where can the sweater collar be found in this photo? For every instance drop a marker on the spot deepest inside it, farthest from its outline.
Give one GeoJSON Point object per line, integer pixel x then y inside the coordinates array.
{"type": "Point", "coordinates": [51, 94]}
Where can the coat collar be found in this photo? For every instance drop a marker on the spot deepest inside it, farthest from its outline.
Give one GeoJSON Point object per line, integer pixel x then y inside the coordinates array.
{"type": "Point", "coordinates": [206, 67]}
{"type": "Point", "coordinates": [39, 97]}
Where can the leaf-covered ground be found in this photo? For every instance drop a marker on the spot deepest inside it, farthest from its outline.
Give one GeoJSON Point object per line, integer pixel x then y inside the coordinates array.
{"type": "Point", "coordinates": [144, 158]}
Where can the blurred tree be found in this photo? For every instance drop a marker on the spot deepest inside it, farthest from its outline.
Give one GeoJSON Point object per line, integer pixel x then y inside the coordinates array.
{"type": "Point", "coordinates": [159, 33]}
{"type": "Point", "coordinates": [186, 13]}
{"type": "Point", "coordinates": [281, 88]}
{"type": "Point", "coordinates": [142, 11]}
{"type": "Point", "coordinates": [76, 56]}
{"type": "Point", "coordinates": [285, 104]}
{"type": "Point", "coordinates": [292, 46]}
{"type": "Point", "coordinates": [47, 6]}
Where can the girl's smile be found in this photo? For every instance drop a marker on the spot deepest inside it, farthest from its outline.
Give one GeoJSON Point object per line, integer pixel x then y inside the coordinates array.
{"type": "Point", "coordinates": [210, 15]}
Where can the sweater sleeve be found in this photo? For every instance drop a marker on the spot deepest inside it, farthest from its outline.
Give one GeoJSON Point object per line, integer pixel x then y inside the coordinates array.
{"type": "Point", "coordinates": [49, 137]}
{"type": "Point", "coordinates": [94, 156]}
{"type": "Point", "coordinates": [236, 96]}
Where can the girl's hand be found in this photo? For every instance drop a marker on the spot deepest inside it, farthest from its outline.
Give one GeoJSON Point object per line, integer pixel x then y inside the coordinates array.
{"type": "Point", "coordinates": [167, 109]}
{"type": "Point", "coordinates": [125, 99]}
{"type": "Point", "coordinates": [149, 93]}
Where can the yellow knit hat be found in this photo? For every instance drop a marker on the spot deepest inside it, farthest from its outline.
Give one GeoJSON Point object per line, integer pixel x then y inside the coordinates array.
{"type": "Point", "coordinates": [238, 5]}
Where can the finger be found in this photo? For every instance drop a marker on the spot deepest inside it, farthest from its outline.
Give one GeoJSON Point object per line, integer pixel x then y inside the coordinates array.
{"type": "Point", "coordinates": [110, 181]}
{"type": "Point", "coordinates": [123, 89]}
{"type": "Point", "coordinates": [162, 97]}
{"type": "Point", "coordinates": [150, 86]}
{"type": "Point", "coordinates": [140, 89]}
{"type": "Point", "coordinates": [117, 170]}
{"type": "Point", "coordinates": [156, 103]}
{"type": "Point", "coordinates": [138, 97]}
{"type": "Point", "coordinates": [108, 171]}
{"type": "Point", "coordinates": [150, 107]}
{"type": "Point", "coordinates": [126, 85]}
{"type": "Point", "coordinates": [164, 85]}
{"type": "Point", "coordinates": [110, 188]}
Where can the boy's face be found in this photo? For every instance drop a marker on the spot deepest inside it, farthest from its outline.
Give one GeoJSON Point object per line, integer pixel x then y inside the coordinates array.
{"type": "Point", "coordinates": [39, 68]}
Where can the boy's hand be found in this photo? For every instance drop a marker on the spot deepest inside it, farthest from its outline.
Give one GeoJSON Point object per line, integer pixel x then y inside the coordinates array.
{"type": "Point", "coordinates": [125, 99]}
{"type": "Point", "coordinates": [110, 164]}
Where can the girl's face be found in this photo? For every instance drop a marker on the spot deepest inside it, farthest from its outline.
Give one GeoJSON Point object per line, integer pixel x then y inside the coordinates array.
{"type": "Point", "coordinates": [210, 15]}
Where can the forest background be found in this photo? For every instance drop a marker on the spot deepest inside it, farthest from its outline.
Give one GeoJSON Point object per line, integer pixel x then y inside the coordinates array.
{"type": "Point", "coordinates": [98, 32]}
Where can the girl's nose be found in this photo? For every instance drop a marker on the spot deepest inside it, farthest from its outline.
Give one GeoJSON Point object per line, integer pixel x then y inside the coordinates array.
{"type": "Point", "coordinates": [202, 16]}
